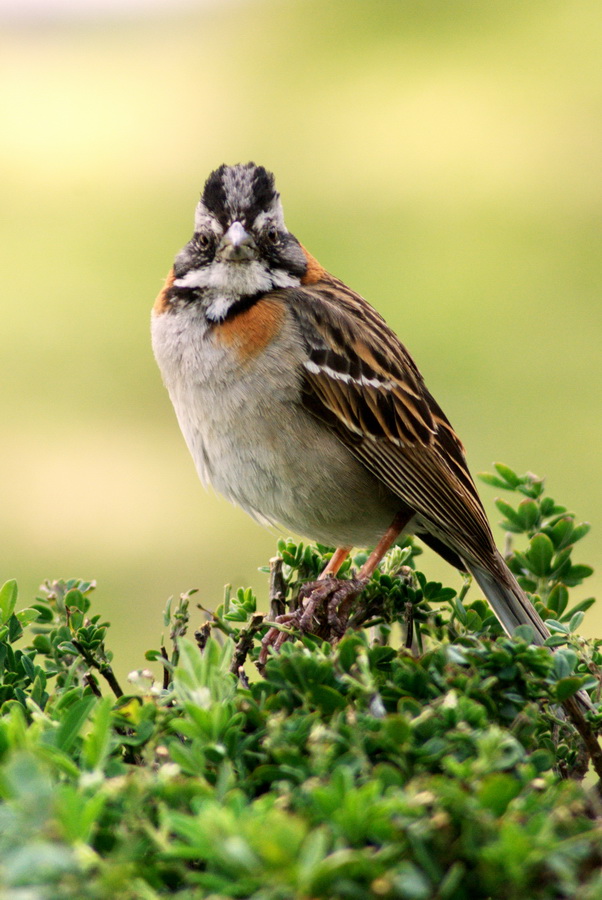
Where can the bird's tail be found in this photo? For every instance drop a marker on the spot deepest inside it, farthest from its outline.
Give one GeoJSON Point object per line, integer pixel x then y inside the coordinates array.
{"type": "Point", "coordinates": [512, 606]}
{"type": "Point", "coordinates": [508, 600]}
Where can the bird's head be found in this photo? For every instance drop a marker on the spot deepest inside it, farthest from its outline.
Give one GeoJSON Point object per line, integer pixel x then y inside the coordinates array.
{"type": "Point", "coordinates": [240, 247]}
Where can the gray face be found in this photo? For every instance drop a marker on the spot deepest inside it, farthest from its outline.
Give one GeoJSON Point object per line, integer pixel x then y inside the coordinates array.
{"type": "Point", "coordinates": [241, 246]}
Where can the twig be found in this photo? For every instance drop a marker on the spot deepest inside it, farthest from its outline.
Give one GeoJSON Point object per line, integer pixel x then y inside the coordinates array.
{"type": "Point", "coordinates": [277, 588]}
{"type": "Point", "coordinates": [245, 643]}
{"type": "Point", "coordinates": [573, 711]}
{"type": "Point", "coordinates": [166, 672]}
{"type": "Point", "coordinates": [216, 622]}
{"type": "Point", "coordinates": [90, 681]}
{"type": "Point", "coordinates": [201, 635]}
{"type": "Point", "coordinates": [409, 623]}
{"type": "Point", "coordinates": [104, 668]}
{"type": "Point", "coordinates": [242, 677]}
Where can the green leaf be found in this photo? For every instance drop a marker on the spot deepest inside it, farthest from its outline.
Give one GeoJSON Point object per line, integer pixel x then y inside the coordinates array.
{"type": "Point", "coordinates": [554, 625]}
{"type": "Point", "coordinates": [539, 555]}
{"type": "Point", "coordinates": [564, 663]}
{"type": "Point", "coordinates": [583, 606]}
{"type": "Point", "coordinates": [8, 600]}
{"type": "Point", "coordinates": [28, 666]}
{"type": "Point", "coordinates": [510, 477]}
{"type": "Point", "coordinates": [568, 687]}
{"type": "Point", "coordinates": [459, 609]}
{"type": "Point", "coordinates": [580, 531]}
{"type": "Point", "coordinates": [511, 515]}
{"type": "Point", "coordinates": [73, 722]}
{"type": "Point", "coordinates": [556, 640]}
{"type": "Point", "coordinates": [397, 729]}
{"type": "Point", "coordinates": [452, 881]}
{"type": "Point", "coordinates": [561, 532]}
{"type": "Point", "coordinates": [576, 620]}
{"type": "Point", "coordinates": [42, 643]}
{"type": "Point", "coordinates": [558, 599]}
{"type": "Point", "coordinates": [98, 740]}
{"type": "Point", "coordinates": [473, 620]}
{"type": "Point", "coordinates": [75, 598]}
{"type": "Point", "coordinates": [577, 574]}
{"type": "Point", "coordinates": [312, 852]}
{"type": "Point", "coordinates": [528, 513]}
{"type": "Point", "coordinates": [327, 698]}
{"type": "Point", "coordinates": [456, 654]}
{"type": "Point", "coordinates": [493, 480]}
{"type": "Point", "coordinates": [562, 562]}
{"type": "Point", "coordinates": [542, 760]}
{"type": "Point", "coordinates": [518, 562]}
{"type": "Point", "coordinates": [27, 616]}
{"type": "Point", "coordinates": [348, 649]}
{"type": "Point", "coordinates": [497, 790]}
{"type": "Point", "coordinates": [15, 629]}
{"type": "Point", "coordinates": [410, 882]}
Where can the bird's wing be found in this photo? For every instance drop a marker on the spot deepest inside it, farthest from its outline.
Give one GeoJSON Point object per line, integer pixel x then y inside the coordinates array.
{"type": "Point", "coordinates": [359, 379]}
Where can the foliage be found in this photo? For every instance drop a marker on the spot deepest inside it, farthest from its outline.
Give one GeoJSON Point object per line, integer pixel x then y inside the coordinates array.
{"type": "Point", "coordinates": [356, 771]}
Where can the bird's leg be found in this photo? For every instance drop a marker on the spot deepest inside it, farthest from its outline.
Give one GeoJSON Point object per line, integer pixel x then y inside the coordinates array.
{"type": "Point", "coordinates": [387, 540]}
{"type": "Point", "coordinates": [340, 605]}
{"type": "Point", "coordinates": [335, 562]}
{"type": "Point", "coordinates": [331, 595]}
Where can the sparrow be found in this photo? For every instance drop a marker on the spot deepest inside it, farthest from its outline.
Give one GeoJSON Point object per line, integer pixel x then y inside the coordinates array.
{"type": "Point", "coordinates": [301, 405]}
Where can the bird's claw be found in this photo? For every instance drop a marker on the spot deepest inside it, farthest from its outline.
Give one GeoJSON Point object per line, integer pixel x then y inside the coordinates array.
{"type": "Point", "coordinates": [324, 611]}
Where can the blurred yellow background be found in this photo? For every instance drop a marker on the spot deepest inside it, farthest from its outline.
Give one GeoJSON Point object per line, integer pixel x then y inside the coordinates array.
{"type": "Point", "coordinates": [443, 158]}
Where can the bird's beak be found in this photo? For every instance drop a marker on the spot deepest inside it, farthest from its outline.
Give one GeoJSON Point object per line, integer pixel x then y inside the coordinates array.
{"type": "Point", "coordinates": [237, 245]}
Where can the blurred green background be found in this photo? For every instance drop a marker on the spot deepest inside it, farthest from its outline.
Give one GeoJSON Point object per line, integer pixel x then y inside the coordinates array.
{"type": "Point", "coordinates": [443, 158]}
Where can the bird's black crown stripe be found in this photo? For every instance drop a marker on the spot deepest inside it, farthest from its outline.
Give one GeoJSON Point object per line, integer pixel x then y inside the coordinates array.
{"type": "Point", "coordinates": [214, 195]}
{"type": "Point", "coordinates": [239, 193]}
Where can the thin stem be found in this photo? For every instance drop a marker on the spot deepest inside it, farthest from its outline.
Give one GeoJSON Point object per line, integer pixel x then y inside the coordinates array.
{"type": "Point", "coordinates": [104, 668]}
{"type": "Point", "coordinates": [90, 681]}
{"type": "Point", "coordinates": [573, 711]}
{"type": "Point", "coordinates": [409, 623]}
{"type": "Point", "coordinates": [166, 672]}
{"type": "Point", "coordinates": [277, 592]}
{"type": "Point", "coordinates": [244, 644]}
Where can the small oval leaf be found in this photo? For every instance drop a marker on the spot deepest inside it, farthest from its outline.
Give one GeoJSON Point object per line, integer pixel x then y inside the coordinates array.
{"type": "Point", "coordinates": [539, 555]}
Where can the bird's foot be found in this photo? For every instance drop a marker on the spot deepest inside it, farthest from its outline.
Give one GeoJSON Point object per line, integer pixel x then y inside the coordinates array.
{"type": "Point", "coordinates": [326, 605]}
{"type": "Point", "coordinates": [324, 611]}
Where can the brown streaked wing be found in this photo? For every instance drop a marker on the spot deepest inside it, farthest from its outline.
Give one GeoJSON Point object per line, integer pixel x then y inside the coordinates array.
{"type": "Point", "coordinates": [361, 381]}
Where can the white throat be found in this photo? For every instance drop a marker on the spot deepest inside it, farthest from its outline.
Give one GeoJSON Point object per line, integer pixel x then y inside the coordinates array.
{"type": "Point", "coordinates": [225, 282]}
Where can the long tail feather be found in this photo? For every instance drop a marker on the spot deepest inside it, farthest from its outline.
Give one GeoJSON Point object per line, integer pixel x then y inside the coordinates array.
{"type": "Point", "coordinates": [510, 603]}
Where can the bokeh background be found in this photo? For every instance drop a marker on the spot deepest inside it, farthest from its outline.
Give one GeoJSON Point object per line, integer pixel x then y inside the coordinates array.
{"type": "Point", "coordinates": [443, 158]}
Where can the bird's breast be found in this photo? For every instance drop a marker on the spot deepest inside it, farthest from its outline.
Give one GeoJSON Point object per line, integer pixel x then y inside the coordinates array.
{"type": "Point", "coordinates": [230, 390]}
{"type": "Point", "coordinates": [237, 396]}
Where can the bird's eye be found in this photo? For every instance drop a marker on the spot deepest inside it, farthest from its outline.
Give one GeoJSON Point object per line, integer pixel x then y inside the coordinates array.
{"type": "Point", "coordinates": [203, 241]}
{"type": "Point", "coordinates": [272, 235]}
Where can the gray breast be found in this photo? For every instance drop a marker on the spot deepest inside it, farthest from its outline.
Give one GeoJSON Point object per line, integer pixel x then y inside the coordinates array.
{"type": "Point", "coordinates": [251, 439]}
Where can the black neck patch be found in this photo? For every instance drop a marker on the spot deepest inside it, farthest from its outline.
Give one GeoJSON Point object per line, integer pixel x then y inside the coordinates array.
{"type": "Point", "coordinates": [237, 307]}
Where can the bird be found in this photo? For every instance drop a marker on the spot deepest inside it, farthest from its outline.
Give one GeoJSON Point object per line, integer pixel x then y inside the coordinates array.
{"type": "Point", "coordinates": [300, 404]}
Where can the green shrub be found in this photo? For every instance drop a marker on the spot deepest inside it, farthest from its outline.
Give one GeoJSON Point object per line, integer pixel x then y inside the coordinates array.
{"type": "Point", "coordinates": [364, 770]}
